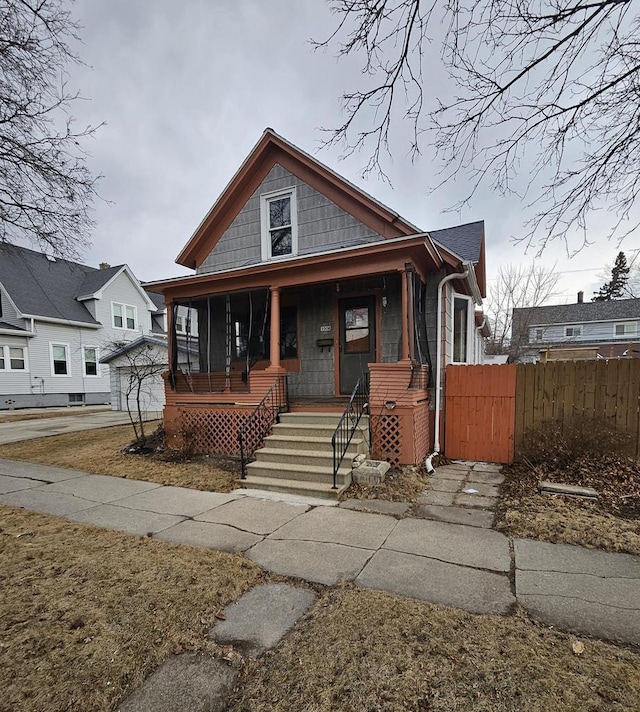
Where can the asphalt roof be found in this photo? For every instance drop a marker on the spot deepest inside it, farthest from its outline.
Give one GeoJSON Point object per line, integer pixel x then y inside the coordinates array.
{"type": "Point", "coordinates": [464, 240]}
{"type": "Point", "coordinates": [11, 327]}
{"type": "Point", "coordinates": [580, 312]}
{"type": "Point", "coordinates": [49, 287]}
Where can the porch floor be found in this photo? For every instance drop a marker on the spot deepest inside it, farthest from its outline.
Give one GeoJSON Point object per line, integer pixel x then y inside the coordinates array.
{"type": "Point", "coordinates": [319, 404]}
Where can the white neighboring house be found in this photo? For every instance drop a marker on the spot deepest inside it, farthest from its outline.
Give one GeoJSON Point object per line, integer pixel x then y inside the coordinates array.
{"type": "Point", "coordinates": [57, 319]}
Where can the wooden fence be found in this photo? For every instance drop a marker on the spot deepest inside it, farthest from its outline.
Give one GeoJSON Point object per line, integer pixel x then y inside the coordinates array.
{"type": "Point", "coordinates": [489, 409]}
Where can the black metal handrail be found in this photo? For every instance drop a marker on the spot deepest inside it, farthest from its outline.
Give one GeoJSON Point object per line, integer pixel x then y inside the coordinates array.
{"type": "Point", "coordinates": [257, 426]}
{"type": "Point", "coordinates": [357, 407]}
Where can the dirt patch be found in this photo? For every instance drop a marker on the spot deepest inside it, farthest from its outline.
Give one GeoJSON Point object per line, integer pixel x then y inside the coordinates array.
{"type": "Point", "coordinates": [611, 523]}
{"type": "Point", "coordinates": [88, 613]}
{"type": "Point", "coordinates": [403, 485]}
{"type": "Point", "coordinates": [100, 452]}
{"type": "Point", "coordinates": [365, 650]}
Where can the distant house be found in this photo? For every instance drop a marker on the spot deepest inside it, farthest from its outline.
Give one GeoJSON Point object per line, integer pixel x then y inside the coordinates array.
{"type": "Point", "coordinates": [57, 319]}
{"type": "Point", "coordinates": [302, 278]}
{"type": "Point", "coordinates": [584, 330]}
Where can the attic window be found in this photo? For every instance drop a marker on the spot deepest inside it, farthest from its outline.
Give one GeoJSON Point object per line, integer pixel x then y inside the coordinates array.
{"type": "Point", "coordinates": [279, 224]}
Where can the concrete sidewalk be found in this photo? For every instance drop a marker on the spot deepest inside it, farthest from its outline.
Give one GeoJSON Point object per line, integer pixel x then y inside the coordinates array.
{"type": "Point", "coordinates": [68, 423]}
{"type": "Point", "coordinates": [469, 567]}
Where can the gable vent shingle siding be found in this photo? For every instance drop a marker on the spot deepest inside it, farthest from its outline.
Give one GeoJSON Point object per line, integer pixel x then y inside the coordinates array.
{"type": "Point", "coordinates": [43, 287]}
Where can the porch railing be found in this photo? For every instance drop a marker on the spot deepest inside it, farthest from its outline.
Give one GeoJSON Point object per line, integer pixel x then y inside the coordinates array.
{"type": "Point", "coordinates": [256, 427]}
{"type": "Point", "coordinates": [357, 407]}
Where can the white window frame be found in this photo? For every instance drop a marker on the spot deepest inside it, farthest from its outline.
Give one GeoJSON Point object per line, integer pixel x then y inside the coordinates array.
{"type": "Point", "coordinates": [84, 361]}
{"type": "Point", "coordinates": [6, 355]}
{"type": "Point", "coordinates": [124, 308]}
{"type": "Point", "coordinates": [633, 333]}
{"type": "Point", "coordinates": [265, 199]}
{"type": "Point", "coordinates": [68, 359]}
{"type": "Point", "coordinates": [575, 328]}
{"type": "Point", "coordinates": [470, 326]}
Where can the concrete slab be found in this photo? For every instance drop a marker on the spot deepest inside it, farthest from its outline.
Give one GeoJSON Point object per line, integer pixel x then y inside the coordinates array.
{"type": "Point", "coordinates": [209, 536]}
{"type": "Point", "coordinates": [16, 468]}
{"type": "Point", "coordinates": [447, 473]}
{"type": "Point", "coordinates": [338, 526]}
{"type": "Point", "coordinates": [606, 608]}
{"type": "Point", "coordinates": [286, 497]}
{"type": "Point", "coordinates": [487, 478]}
{"type": "Point", "coordinates": [437, 582]}
{"type": "Point", "coordinates": [475, 500]}
{"type": "Point", "coordinates": [378, 506]}
{"type": "Point", "coordinates": [259, 516]}
{"type": "Point", "coordinates": [455, 515]}
{"type": "Point", "coordinates": [55, 503]}
{"type": "Point", "coordinates": [309, 560]}
{"type": "Point", "coordinates": [480, 489]}
{"type": "Point", "coordinates": [176, 500]}
{"type": "Point", "coordinates": [456, 467]}
{"type": "Point", "coordinates": [454, 543]}
{"type": "Point", "coordinates": [546, 487]}
{"type": "Point", "coordinates": [190, 681]}
{"type": "Point", "coordinates": [531, 555]}
{"type": "Point", "coordinates": [15, 484]}
{"type": "Point", "coordinates": [440, 484]}
{"type": "Point", "coordinates": [260, 619]}
{"type": "Point", "coordinates": [133, 521]}
{"type": "Point", "coordinates": [100, 488]}
{"type": "Point", "coordinates": [486, 467]}
{"type": "Point", "coordinates": [441, 499]}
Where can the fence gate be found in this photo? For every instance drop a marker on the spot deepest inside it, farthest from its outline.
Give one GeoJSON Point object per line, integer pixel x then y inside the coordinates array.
{"type": "Point", "coordinates": [480, 406]}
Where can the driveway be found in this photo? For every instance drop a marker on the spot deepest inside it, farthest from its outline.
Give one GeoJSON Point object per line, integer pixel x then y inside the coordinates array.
{"type": "Point", "coordinates": [83, 420]}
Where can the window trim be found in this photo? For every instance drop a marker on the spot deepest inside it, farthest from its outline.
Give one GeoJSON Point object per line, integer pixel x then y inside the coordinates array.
{"type": "Point", "coordinates": [5, 349]}
{"type": "Point", "coordinates": [68, 359]}
{"type": "Point", "coordinates": [470, 324]}
{"type": "Point", "coordinates": [265, 238]}
{"type": "Point", "coordinates": [631, 334]}
{"type": "Point", "coordinates": [575, 327]}
{"type": "Point", "coordinates": [84, 361]}
{"type": "Point", "coordinates": [124, 327]}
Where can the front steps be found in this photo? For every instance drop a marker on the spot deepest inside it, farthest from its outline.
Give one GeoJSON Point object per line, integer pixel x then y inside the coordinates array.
{"type": "Point", "coordinates": [297, 458]}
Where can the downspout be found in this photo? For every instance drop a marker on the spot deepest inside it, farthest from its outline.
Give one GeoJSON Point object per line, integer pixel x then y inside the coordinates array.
{"type": "Point", "coordinates": [468, 270]}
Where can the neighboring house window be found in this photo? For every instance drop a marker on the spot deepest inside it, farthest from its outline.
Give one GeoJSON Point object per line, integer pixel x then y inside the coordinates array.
{"type": "Point", "coordinates": [13, 358]}
{"type": "Point", "coordinates": [571, 332]}
{"type": "Point", "coordinates": [90, 359]}
{"type": "Point", "coordinates": [539, 334]}
{"type": "Point", "coordinates": [60, 360]}
{"type": "Point", "coordinates": [626, 329]}
{"type": "Point", "coordinates": [461, 310]}
{"type": "Point", "coordinates": [279, 224]}
{"type": "Point", "coordinates": [124, 316]}
{"type": "Point", "coordinates": [288, 336]}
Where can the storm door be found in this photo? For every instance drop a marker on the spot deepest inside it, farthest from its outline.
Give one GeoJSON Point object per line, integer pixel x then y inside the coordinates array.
{"type": "Point", "coordinates": [357, 339]}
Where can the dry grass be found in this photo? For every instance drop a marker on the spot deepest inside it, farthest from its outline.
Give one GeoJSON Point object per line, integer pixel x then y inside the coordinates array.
{"type": "Point", "coordinates": [371, 652]}
{"type": "Point", "coordinates": [88, 613]}
{"type": "Point", "coordinates": [404, 485]}
{"type": "Point", "coordinates": [100, 452]}
{"type": "Point", "coordinates": [16, 417]}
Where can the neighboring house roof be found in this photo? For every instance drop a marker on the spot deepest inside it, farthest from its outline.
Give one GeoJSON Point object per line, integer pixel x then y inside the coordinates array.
{"type": "Point", "coordinates": [157, 299]}
{"type": "Point", "coordinates": [10, 327]}
{"type": "Point", "coordinates": [133, 345]}
{"type": "Point", "coordinates": [51, 287]}
{"type": "Point", "coordinates": [579, 313]}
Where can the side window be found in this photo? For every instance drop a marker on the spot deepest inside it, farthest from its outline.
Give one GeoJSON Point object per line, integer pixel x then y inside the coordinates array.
{"type": "Point", "coordinates": [460, 329]}
{"type": "Point", "coordinates": [90, 360]}
{"type": "Point", "coordinates": [60, 360]}
{"type": "Point", "coordinates": [279, 224]}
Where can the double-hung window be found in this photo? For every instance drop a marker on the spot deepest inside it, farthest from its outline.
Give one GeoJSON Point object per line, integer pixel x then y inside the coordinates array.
{"type": "Point", "coordinates": [124, 316]}
{"type": "Point", "coordinates": [13, 358]}
{"type": "Point", "coordinates": [279, 224]}
{"type": "Point", "coordinates": [572, 332]}
{"type": "Point", "coordinates": [90, 360]}
{"type": "Point", "coordinates": [60, 360]}
{"type": "Point", "coordinates": [462, 314]}
{"type": "Point", "coordinates": [628, 328]}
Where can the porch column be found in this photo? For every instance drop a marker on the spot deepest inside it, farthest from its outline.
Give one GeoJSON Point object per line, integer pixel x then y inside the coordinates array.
{"type": "Point", "coordinates": [275, 328]}
{"type": "Point", "coordinates": [407, 317]}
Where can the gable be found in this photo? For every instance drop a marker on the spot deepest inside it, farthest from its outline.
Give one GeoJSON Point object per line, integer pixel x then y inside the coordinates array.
{"type": "Point", "coordinates": [321, 225]}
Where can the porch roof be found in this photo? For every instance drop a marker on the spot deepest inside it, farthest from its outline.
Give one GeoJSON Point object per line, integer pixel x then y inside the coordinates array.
{"type": "Point", "coordinates": [381, 257]}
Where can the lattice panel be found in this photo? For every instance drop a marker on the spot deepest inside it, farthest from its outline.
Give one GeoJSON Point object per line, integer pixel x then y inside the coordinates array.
{"type": "Point", "coordinates": [387, 440]}
{"type": "Point", "coordinates": [214, 430]}
{"type": "Point", "coordinates": [421, 433]}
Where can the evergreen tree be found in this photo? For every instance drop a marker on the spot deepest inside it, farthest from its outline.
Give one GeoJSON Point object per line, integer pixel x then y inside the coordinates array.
{"type": "Point", "coordinates": [615, 287]}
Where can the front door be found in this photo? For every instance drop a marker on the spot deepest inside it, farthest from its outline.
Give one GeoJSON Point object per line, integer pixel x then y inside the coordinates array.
{"type": "Point", "coordinates": [357, 339]}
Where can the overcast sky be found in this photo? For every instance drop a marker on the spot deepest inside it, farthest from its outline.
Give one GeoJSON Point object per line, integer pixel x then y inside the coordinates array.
{"type": "Point", "coordinates": [186, 89]}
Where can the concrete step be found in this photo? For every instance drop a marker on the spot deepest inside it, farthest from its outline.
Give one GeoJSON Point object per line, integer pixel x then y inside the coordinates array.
{"type": "Point", "coordinates": [306, 489]}
{"type": "Point", "coordinates": [299, 442]}
{"type": "Point", "coordinates": [288, 429]}
{"type": "Point", "coordinates": [328, 419]}
{"type": "Point", "coordinates": [289, 471]}
{"type": "Point", "coordinates": [302, 458]}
